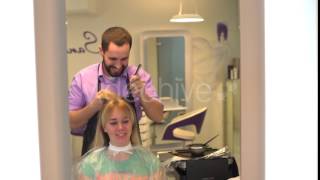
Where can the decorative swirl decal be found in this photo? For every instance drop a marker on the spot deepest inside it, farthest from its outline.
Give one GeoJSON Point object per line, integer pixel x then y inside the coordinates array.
{"type": "Point", "coordinates": [91, 40]}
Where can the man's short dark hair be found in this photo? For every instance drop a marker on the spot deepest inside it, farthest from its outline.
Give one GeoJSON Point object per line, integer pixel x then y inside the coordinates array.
{"type": "Point", "coordinates": [117, 35]}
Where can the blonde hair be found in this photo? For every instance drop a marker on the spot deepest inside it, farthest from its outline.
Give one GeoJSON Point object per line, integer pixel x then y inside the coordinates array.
{"type": "Point", "coordinates": [101, 138]}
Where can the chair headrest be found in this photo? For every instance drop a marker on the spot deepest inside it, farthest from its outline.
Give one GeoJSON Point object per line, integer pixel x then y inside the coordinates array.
{"type": "Point", "coordinates": [194, 117]}
{"type": "Point", "coordinates": [189, 115]}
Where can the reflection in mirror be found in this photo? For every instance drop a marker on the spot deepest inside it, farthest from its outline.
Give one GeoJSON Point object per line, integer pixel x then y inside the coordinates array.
{"type": "Point", "coordinates": [170, 67]}
{"type": "Point", "coordinates": [166, 64]}
{"type": "Point", "coordinates": [194, 74]}
{"type": "Point", "coordinates": [163, 55]}
{"type": "Point", "coordinates": [155, 14]}
{"type": "Point", "coordinates": [208, 75]}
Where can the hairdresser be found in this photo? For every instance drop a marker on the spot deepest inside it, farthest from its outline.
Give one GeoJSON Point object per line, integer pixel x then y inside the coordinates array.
{"type": "Point", "coordinates": [112, 75]}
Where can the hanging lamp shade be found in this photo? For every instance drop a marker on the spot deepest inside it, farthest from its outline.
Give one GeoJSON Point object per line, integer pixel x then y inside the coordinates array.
{"type": "Point", "coordinates": [186, 18]}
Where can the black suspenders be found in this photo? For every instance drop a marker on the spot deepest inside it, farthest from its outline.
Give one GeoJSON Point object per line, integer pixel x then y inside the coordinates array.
{"type": "Point", "coordinates": [90, 131]}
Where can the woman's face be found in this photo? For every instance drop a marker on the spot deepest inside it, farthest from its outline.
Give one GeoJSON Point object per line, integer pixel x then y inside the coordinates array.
{"type": "Point", "coordinates": [119, 127]}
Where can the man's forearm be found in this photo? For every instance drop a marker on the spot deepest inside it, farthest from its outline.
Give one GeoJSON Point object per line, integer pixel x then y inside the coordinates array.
{"type": "Point", "coordinates": [153, 109]}
{"type": "Point", "coordinates": [79, 118]}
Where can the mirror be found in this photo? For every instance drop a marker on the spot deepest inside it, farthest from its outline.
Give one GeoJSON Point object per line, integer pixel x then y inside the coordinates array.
{"type": "Point", "coordinates": [168, 64]}
{"type": "Point", "coordinates": [252, 65]}
{"type": "Point", "coordinates": [166, 56]}
{"type": "Point", "coordinates": [203, 42]}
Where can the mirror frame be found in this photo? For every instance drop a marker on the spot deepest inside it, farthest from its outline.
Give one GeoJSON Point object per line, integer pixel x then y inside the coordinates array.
{"type": "Point", "coordinates": [54, 149]}
{"type": "Point", "coordinates": [188, 53]}
{"type": "Point", "coordinates": [252, 73]}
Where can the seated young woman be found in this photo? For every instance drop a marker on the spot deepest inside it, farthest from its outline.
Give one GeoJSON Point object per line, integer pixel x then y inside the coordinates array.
{"type": "Point", "coordinates": [116, 155]}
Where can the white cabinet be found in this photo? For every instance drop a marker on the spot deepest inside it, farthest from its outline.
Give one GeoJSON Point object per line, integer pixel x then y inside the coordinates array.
{"type": "Point", "coordinates": [232, 121]}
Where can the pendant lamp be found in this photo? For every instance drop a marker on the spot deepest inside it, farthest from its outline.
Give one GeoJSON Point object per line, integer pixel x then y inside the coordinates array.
{"type": "Point", "coordinates": [186, 18]}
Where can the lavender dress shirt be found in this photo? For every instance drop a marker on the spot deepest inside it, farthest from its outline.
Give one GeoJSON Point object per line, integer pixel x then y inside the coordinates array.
{"type": "Point", "coordinates": [84, 87]}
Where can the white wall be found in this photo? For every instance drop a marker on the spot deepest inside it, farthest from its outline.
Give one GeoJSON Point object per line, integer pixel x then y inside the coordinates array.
{"type": "Point", "coordinates": [34, 124]}
{"type": "Point", "coordinates": [291, 89]}
{"type": "Point", "coordinates": [19, 134]}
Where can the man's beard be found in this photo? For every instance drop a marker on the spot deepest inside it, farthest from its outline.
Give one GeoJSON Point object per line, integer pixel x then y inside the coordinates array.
{"type": "Point", "coordinates": [109, 68]}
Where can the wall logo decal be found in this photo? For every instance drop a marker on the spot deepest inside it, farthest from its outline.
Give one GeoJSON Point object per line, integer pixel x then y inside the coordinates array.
{"type": "Point", "coordinates": [222, 31]}
{"type": "Point", "coordinates": [89, 45]}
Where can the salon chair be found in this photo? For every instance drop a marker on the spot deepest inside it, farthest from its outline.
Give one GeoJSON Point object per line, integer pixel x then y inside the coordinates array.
{"type": "Point", "coordinates": [175, 129]}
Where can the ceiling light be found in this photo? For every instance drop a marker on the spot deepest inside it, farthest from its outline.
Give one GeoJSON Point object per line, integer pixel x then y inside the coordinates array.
{"type": "Point", "coordinates": [185, 18]}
